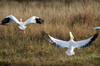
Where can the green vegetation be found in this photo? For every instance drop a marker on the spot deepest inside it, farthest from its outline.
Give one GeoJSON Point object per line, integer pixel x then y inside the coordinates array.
{"type": "Point", "coordinates": [31, 48]}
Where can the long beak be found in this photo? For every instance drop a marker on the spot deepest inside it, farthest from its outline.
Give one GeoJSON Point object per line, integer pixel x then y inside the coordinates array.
{"type": "Point", "coordinates": [71, 35]}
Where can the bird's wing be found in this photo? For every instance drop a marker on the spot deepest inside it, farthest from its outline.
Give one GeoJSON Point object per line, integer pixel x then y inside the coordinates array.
{"type": "Point", "coordinates": [57, 42]}
{"type": "Point", "coordinates": [9, 18]}
{"type": "Point", "coordinates": [85, 43]}
{"type": "Point", "coordinates": [13, 19]}
{"type": "Point", "coordinates": [30, 20]}
{"type": "Point", "coordinates": [96, 28]}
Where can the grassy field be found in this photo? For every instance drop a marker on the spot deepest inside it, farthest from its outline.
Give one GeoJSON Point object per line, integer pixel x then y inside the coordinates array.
{"type": "Point", "coordinates": [61, 16]}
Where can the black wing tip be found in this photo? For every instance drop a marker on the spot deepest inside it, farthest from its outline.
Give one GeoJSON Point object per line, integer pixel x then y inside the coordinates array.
{"type": "Point", "coordinates": [48, 38]}
{"type": "Point", "coordinates": [92, 39]}
{"type": "Point", "coordinates": [39, 21]}
{"type": "Point", "coordinates": [46, 35]}
{"type": "Point", "coordinates": [95, 36]}
{"type": "Point", "coordinates": [5, 21]}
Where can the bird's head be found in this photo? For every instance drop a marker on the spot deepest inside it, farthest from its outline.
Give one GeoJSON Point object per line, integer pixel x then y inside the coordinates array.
{"type": "Point", "coordinates": [38, 20]}
{"type": "Point", "coordinates": [20, 19]}
{"type": "Point", "coordinates": [71, 35]}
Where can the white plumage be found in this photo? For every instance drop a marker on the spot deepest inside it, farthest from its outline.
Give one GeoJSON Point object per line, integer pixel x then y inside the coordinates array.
{"type": "Point", "coordinates": [11, 18]}
{"type": "Point", "coordinates": [71, 44]}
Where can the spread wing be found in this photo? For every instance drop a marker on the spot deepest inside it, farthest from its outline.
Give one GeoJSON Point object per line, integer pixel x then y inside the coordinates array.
{"type": "Point", "coordinates": [87, 42]}
{"type": "Point", "coordinates": [57, 42]}
{"type": "Point", "coordinates": [8, 19]}
{"type": "Point", "coordinates": [34, 19]}
{"type": "Point", "coordinates": [30, 20]}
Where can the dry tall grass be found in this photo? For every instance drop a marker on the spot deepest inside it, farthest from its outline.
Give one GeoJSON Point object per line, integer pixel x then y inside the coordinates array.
{"type": "Point", "coordinates": [60, 18]}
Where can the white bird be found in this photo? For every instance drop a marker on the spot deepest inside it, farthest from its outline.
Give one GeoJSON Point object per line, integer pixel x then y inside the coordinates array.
{"type": "Point", "coordinates": [11, 18]}
{"type": "Point", "coordinates": [71, 44]}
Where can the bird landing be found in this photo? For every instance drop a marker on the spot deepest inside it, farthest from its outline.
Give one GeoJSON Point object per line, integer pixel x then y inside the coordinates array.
{"type": "Point", "coordinates": [71, 44]}
{"type": "Point", "coordinates": [21, 24]}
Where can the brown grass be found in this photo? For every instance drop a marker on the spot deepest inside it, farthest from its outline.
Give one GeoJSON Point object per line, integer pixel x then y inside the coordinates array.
{"type": "Point", "coordinates": [31, 48]}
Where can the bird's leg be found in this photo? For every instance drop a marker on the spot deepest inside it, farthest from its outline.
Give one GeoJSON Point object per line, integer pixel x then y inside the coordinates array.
{"type": "Point", "coordinates": [12, 31]}
{"type": "Point", "coordinates": [5, 32]}
{"type": "Point", "coordinates": [24, 32]}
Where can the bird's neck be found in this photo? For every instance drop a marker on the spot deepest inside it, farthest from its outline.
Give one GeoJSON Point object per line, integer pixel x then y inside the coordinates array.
{"type": "Point", "coordinates": [71, 39]}
{"type": "Point", "coordinates": [20, 19]}
{"type": "Point", "coordinates": [71, 36]}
